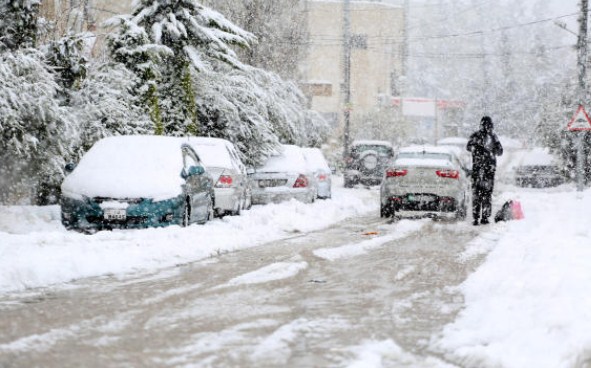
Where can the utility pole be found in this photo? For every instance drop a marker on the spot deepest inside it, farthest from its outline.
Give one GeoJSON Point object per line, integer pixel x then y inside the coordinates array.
{"type": "Point", "coordinates": [347, 73]}
{"type": "Point", "coordinates": [405, 48]}
{"type": "Point", "coordinates": [582, 65]}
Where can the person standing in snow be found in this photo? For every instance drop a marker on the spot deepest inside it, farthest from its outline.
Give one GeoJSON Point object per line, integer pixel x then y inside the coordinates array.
{"type": "Point", "coordinates": [485, 147]}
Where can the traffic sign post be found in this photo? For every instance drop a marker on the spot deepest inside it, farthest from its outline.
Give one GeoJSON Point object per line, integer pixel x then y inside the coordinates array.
{"type": "Point", "coordinates": [580, 123]}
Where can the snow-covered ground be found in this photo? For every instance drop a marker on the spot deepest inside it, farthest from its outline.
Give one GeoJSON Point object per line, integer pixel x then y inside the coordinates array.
{"type": "Point", "coordinates": [527, 305]}
{"type": "Point", "coordinates": [36, 250]}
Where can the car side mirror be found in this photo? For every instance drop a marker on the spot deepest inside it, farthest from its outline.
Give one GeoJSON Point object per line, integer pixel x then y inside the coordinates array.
{"type": "Point", "coordinates": [193, 170]}
{"type": "Point", "coordinates": [69, 167]}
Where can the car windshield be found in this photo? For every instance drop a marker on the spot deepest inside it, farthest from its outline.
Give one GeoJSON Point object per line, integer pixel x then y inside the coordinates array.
{"type": "Point", "coordinates": [424, 155]}
{"type": "Point", "coordinates": [381, 150]}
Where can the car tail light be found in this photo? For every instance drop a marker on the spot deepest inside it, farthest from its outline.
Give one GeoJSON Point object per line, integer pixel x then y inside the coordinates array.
{"type": "Point", "coordinates": [224, 181]}
{"type": "Point", "coordinates": [301, 182]}
{"type": "Point", "coordinates": [451, 174]}
{"type": "Point", "coordinates": [322, 177]}
{"type": "Point", "coordinates": [392, 173]}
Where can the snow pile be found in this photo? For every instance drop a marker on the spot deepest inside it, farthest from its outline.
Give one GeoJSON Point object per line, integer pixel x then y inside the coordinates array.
{"type": "Point", "coordinates": [529, 304]}
{"type": "Point", "coordinates": [35, 250]}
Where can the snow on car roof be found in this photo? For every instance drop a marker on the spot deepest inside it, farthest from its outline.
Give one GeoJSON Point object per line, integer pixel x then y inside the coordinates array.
{"type": "Point", "coordinates": [315, 159]}
{"type": "Point", "coordinates": [289, 159]}
{"type": "Point", "coordinates": [537, 156]}
{"type": "Point", "coordinates": [129, 167]}
{"type": "Point", "coordinates": [428, 148]}
{"type": "Point", "coordinates": [457, 141]}
{"type": "Point", "coordinates": [213, 151]}
{"type": "Point", "coordinates": [371, 142]}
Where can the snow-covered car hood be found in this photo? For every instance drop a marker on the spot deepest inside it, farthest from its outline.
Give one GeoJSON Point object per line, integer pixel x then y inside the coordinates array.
{"type": "Point", "coordinates": [128, 167]}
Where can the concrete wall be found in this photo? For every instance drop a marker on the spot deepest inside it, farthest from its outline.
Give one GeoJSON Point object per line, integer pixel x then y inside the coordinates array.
{"type": "Point", "coordinates": [377, 32]}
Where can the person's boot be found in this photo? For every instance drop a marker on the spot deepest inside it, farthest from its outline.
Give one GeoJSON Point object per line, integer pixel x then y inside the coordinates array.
{"type": "Point", "coordinates": [484, 221]}
{"type": "Point", "coordinates": [475, 222]}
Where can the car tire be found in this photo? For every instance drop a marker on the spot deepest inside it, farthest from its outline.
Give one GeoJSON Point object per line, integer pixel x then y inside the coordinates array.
{"type": "Point", "coordinates": [462, 211]}
{"type": "Point", "coordinates": [185, 221]}
{"type": "Point", "coordinates": [386, 211]}
{"type": "Point", "coordinates": [348, 184]}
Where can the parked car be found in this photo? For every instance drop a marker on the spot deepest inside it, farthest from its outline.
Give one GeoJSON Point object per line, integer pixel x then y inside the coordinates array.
{"type": "Point", "coordinates": [425, 181]}
{"type": "Point", "coordinates": [231, 185]}
{"type": "Point", "coordinates": [322, 172]}
{"type": "Point", "coordinates": [366, 162]}
{"type": "Point", "coordinates": [460, 144]}
{"type": "Point", "coordinates": [538, 168]}
{"type": "Point", "coordinates": [285, 175]}
{"type": "Point", "coordinates": [137, 182]}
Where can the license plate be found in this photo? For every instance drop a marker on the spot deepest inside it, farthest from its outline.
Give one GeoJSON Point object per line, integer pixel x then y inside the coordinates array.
{"type": "Point", "coordinates": [267, 183]}
{"type": "Point", "coordinates": [115, 214]}
{"type": "Point", "coordinates": [419, 198]}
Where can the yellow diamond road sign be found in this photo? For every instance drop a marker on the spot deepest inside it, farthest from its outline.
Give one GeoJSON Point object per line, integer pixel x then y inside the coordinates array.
{"type": "Point", "coordinates": [580, 120]}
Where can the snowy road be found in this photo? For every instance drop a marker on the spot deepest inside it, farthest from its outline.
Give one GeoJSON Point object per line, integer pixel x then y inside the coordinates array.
{"type": "Point", "coordinates": [362, 289]}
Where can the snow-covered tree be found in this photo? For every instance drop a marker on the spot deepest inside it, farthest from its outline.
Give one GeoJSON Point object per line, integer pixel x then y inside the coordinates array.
{"type": "Point", "coordinates": [281, 30]}
{"type": "Point", "coordinates": [197, 38]}
{"type": "Point", "coordinates": [36, 130]}
{"type": "Point", "coordinates": [105, 105]}
{"type": "Point", "coordinates": [18, 23]}
{"type": "Point", "coordinates": [66, 56]}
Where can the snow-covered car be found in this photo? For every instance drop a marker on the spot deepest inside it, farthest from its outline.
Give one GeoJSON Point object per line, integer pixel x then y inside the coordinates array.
{"type": "Point", "coordinates": [285, 175]}
{"type": "Point", "coordinates": [459, 144]}
{"type": "Point", "coordinates": [137, 182]}
{"type": "Point", "coordinates": [322, 172]}
{"type": "Point", "coordinates": [425, 181]}
{"type": "Point", "coordinates": [537, 168]}
{"type": "Point", "coordinates": [231, 185]}
{"type": "Point", "coordinates": [366, 162]}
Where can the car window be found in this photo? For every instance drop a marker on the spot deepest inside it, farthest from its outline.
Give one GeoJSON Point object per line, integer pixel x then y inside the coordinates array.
{"type": "Point", "coordinates": [425, 155]}
{"type": "Point", "coordinates": [381, 150]}
{"type": "Point", "coordinates": [189, 158]}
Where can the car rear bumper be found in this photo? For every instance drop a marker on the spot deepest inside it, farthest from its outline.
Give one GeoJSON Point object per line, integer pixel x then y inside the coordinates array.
{"type": "Point", "coordinates": [324, 190]}
{"type": "Point", "coordinates": [436, 206]}
{"type": "Point", "coordinates": [226, 199]}
{"type": "Point", "coordinates": [277, 196]}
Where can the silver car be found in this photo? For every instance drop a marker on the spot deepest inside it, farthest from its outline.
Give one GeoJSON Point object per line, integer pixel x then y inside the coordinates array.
{"type": "Point", "coordinates": [231, 185]}
{"type": "Point", "coordinates": [425, 181]}
{"type": "Point", "coordinates": [322, 173]}
{"type": "Point", "coordinates": [284, 176]}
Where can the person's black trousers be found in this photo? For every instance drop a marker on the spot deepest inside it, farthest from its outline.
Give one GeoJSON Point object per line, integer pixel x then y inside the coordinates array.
{"type": "Point", "coordinates": [481, 202]}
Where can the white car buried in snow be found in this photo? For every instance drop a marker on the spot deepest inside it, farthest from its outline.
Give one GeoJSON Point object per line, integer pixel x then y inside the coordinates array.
{"type": "Point", "coordinates": [231, 185]}
{"type": "Point", "coordinates": [322, 173]}
{"type": "Point", "coordinates": [284, 176]}
{"type": "Point", "coordinates": [425, 181]}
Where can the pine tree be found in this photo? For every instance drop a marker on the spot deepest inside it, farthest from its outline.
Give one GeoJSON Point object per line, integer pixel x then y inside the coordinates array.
{"type": "Point", "coordinates": [198, 38]}
{"type": "Point", "coordinates": [105, 105]}
{"type": "Point", "coordinates": [18, 23]}
{"type": "Point", "coordinates": [36, 130]}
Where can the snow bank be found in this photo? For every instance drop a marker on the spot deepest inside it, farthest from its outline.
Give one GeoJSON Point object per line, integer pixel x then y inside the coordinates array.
{"type": "Point", "coordinates": [35, 250]}
{"type": "Point", "coordinates": [529, 304]}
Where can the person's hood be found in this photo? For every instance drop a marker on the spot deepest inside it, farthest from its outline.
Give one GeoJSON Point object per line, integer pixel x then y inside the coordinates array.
{"type": "Point", "coordinates": [486, 124]}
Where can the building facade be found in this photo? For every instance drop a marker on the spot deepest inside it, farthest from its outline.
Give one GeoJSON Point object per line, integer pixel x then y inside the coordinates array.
{"type": "Point", "coordinates": [78, 16]}
{"type": "Point", "coordinates": [376, 39]}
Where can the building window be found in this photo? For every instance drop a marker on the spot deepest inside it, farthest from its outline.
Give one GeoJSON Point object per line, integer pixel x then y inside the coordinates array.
{"type": "Point", "coordinates": [359, 41]}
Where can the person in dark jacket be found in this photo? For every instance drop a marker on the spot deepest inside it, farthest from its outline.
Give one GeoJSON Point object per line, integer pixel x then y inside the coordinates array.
{"type": "Point", "coordinates": [485, 147]}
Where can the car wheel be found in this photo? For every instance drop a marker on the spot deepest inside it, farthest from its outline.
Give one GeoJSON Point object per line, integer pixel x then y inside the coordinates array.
{"type": "Point", "coordinates": [386, 211]}
{"type": "Point", "coordinates": [348, 184]}
{"type": "Point", "coordinates": [186, 214]}
{"type": "Point", "coordinates": [210, 210]}
{"type": "Point", "coordinates": [462, 211]}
